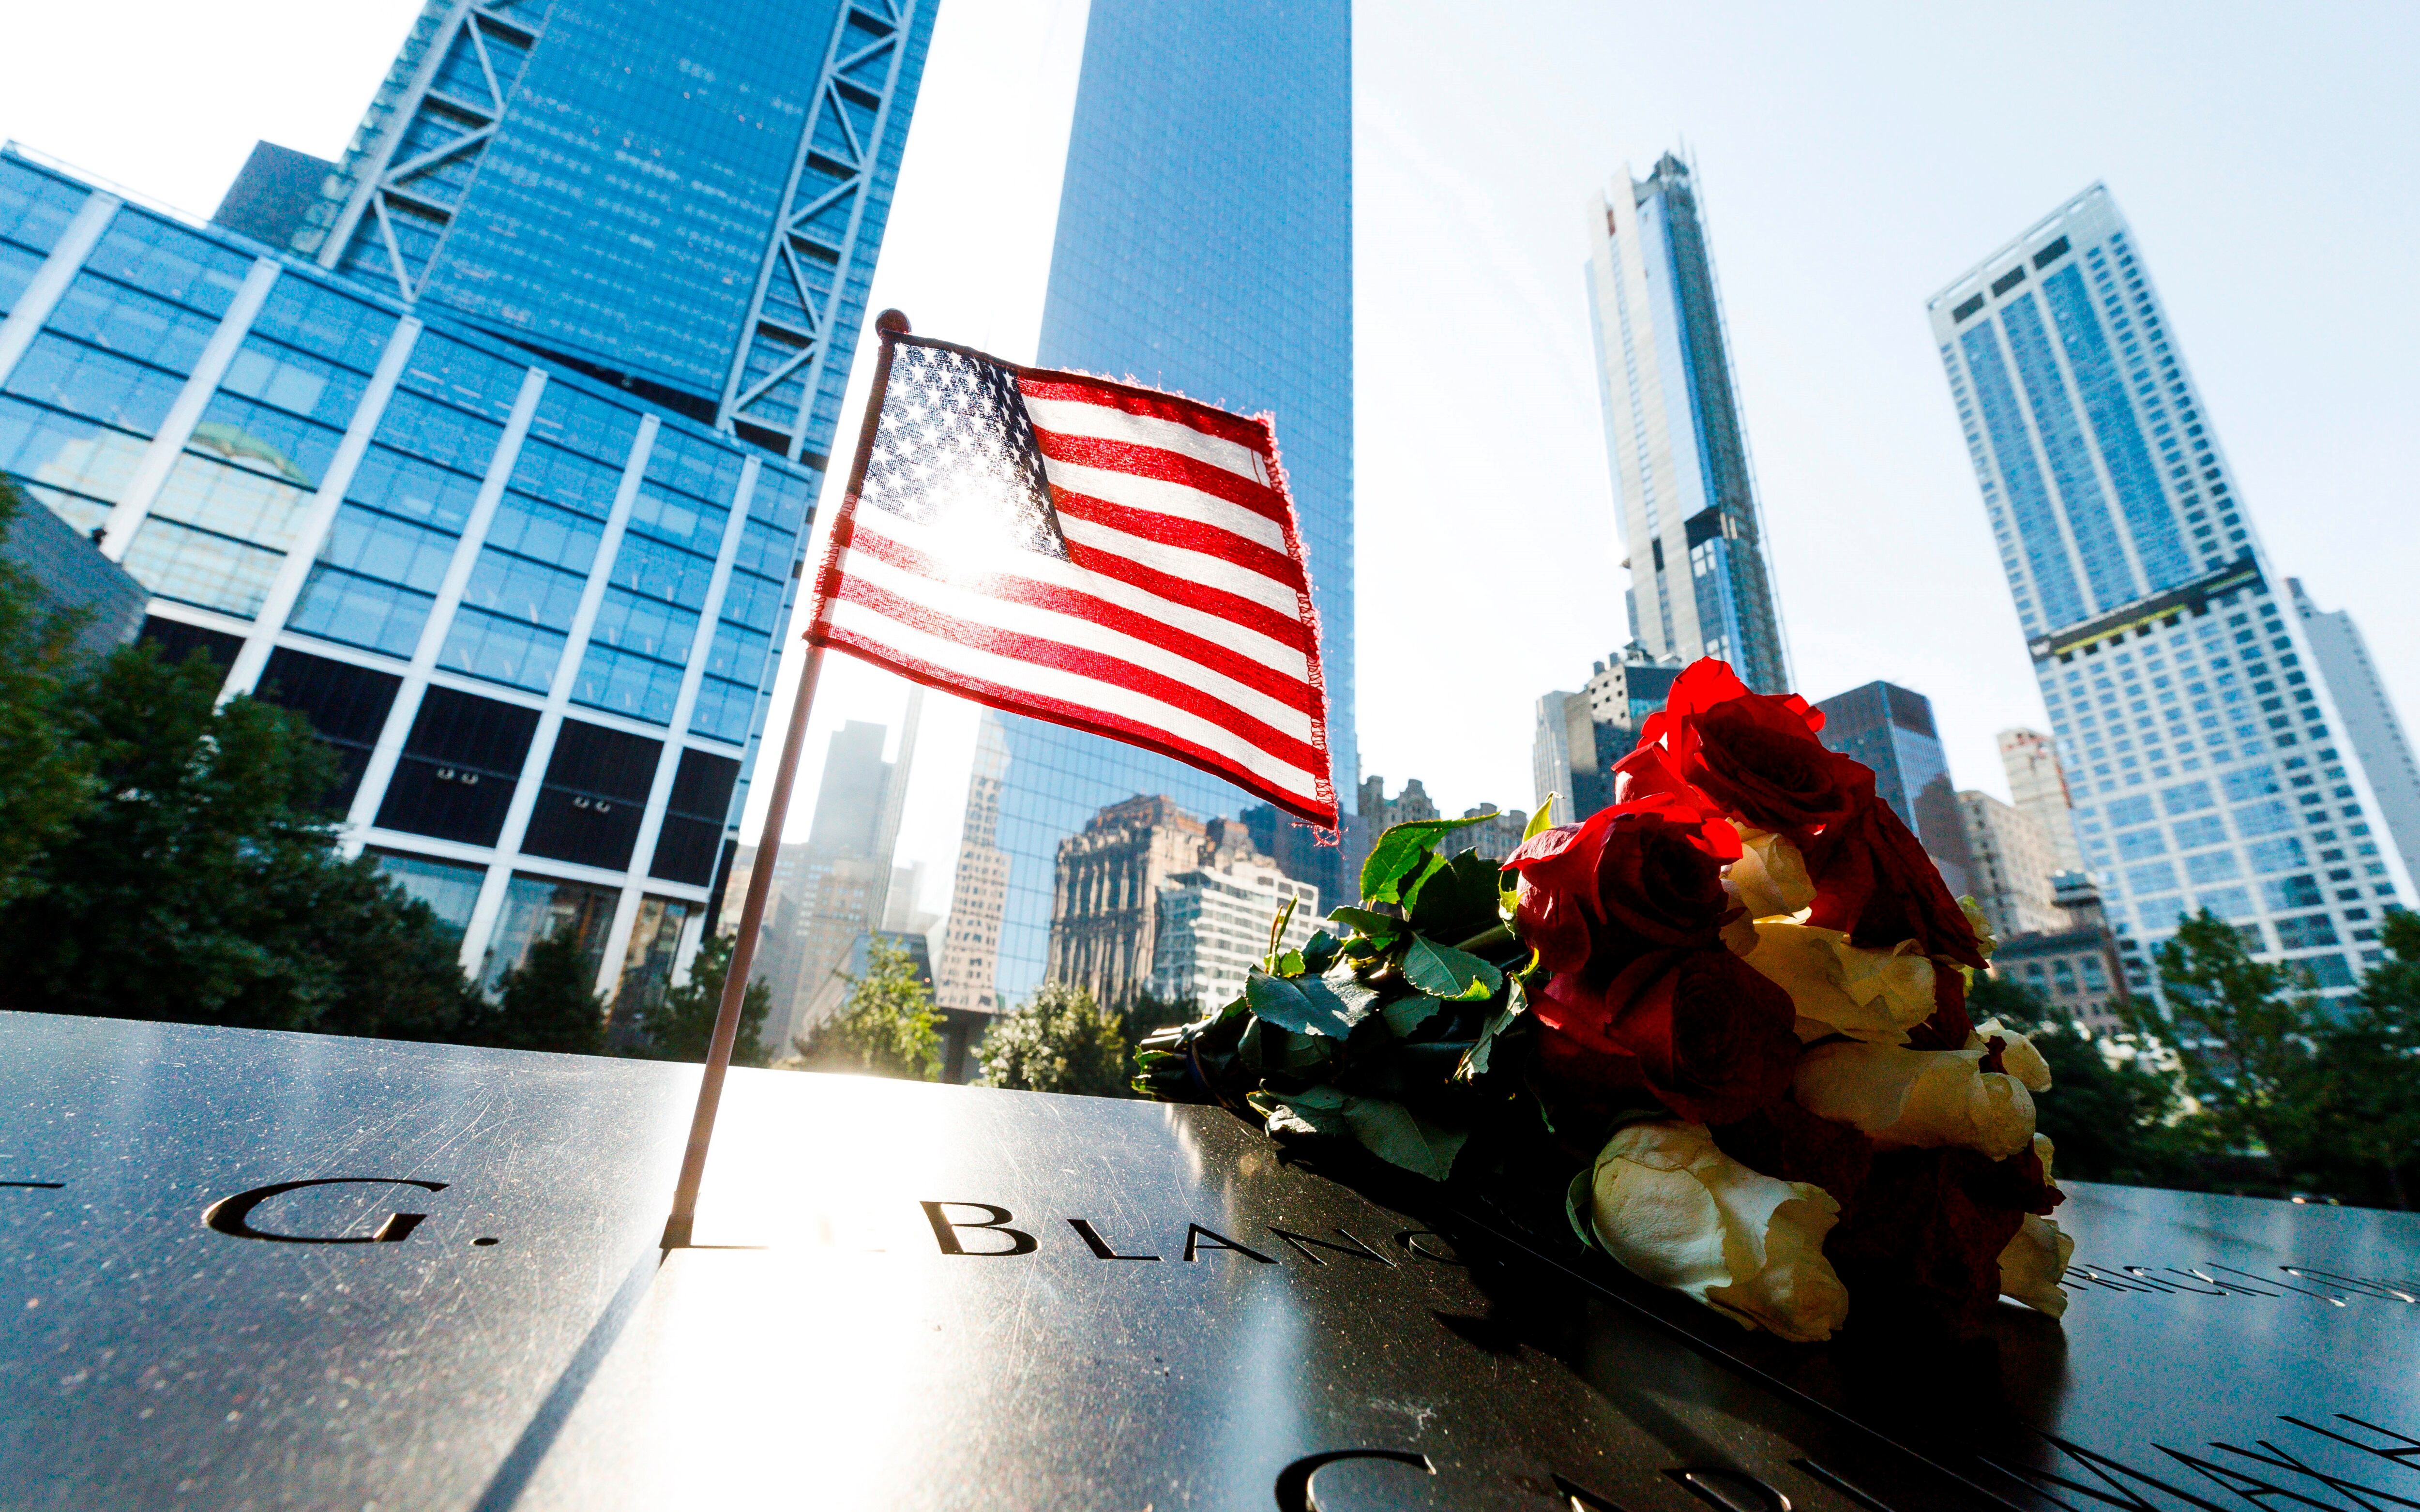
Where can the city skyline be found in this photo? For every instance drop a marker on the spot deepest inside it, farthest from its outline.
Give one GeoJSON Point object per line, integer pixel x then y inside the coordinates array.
{"type": "Point", "coordinates": [1842, 404]}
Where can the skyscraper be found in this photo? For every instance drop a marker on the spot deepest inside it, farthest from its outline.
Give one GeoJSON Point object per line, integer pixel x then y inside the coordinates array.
{"type": "Point", "coordinates": [524, 588]}
{"type": "Point", "coordinates": [2210, 763]}
{"type": "Point", "coordinates": [2037, 784]}
{"type": "Point", "coordinates": [2011, 863]}
{"type": "Point", "coordinates": [1685, 494]}
{"type": "Point", "coordinates": [1890, 729]}
{"type": "Point", "coordinates": [682, 199]}
{"type": "Point", "coordinates": [1204, 244]}
{"type": "Point", "coordinates": [2370, 720]}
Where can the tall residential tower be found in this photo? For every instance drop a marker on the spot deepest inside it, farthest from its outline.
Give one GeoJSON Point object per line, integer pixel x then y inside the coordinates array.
{"type": "Point", "coordinates": [2208, 758]}
{"type": "Point", "coordinates": [1686, 495]}
{"type": "Point", "coordinates": [1204, 244]}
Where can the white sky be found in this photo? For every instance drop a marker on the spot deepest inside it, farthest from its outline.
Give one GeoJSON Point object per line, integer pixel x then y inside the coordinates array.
{"type": "Point", "coordinates": [1852, 159]}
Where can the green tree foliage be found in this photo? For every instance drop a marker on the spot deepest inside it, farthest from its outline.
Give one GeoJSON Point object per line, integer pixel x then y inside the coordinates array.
{"type": "Point", "coordinates": [2243, 1030]}
{"type": "Point", "coordinates": [201, 884]}
{"type": "Point", "coordinates": [2107, 1122]}
{"type": "Point", "coordinates": [679, 1025]}
{"type": "Point", "coordinates": [2359, 1120]}
{"type": "Point", "coordinates": [547, 1002]}
{"type": "Point", "coordinates": [887, 1028]}
{"type": "Point", "coordinates": [45, 783]}
{"type": "Point", "coordinates": [1060, 1040]}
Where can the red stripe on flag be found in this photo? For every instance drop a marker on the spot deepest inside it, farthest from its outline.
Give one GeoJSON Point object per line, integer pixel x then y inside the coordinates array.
{"type": "Point", "coordinates": [1319, 809]}
{"type": "Point", "coordinates": [1165, 466]}
{"type": "Point", "coordinates": [1172, 530]}
{"type": "Point", "coordinates": [1294, 693]}
{"type": "Point", "coordinates": [1190, 413]}
{"type": "Point", "coordinates": [1115, 671]}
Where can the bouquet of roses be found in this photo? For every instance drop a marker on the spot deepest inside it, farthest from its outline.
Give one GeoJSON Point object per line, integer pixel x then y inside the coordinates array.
{"type": "Point", "coordinates": [1732, 1004]}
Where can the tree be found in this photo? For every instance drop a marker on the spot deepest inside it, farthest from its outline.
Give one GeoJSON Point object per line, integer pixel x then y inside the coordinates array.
{"type": "Point", "coordinates": [2243, 1031]}
{"type": "Point", "coordinates": [887, 1027]}
{"type": "Point", "coordinates": [45, 783]}
{"type": "Point", "coordinates": [1060, 1040]}
{"type": "Point", "coordinates": [201, 884]}
{"type": "Point", "coordinates": [2107, 1122]}
{"type": "Point", "coordinates": [547, 1002]}
{"type": "Point", "coordinates": [2360, 1134]}
{"type": "Point", "coordinates": [679, 1024]}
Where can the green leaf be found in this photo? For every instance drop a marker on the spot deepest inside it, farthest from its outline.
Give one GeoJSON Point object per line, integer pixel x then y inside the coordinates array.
{"type": "Point", "coordinates": [1542, 820]}
{"type": "Point", "coordinates": [1399, 855]}
{"type": "Point", "coordinates": [1474, 1060]}
{"type": "Point", "coordinates": [1406, 1014]}
{"type": "Point", "coordinates": [1456, 975]}
{"type": "Point", "coordinates": [1310, 1004]}
{"type": "Point", "coordinates": [1579, 1202]}
{"type": "Point", "coordinates": [1388, 1129]}
{"type": "Point", "coordinates": [1369, 922]}
{"type": "Point", "coordinates": [1455, 900]}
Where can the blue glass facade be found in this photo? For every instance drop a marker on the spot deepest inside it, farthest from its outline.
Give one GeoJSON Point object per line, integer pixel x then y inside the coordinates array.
{"type": "Point", "coordinates": [533, 615]}
{"type": "Point", "coordinates": [2208, 760]}
{"type": "Point", "coordinates": [1205, 246]}
{"type": "Point", "coordinates": [683, 197]}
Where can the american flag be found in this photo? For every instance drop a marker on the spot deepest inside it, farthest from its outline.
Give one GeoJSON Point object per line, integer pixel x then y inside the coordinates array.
{"type": "Point", "coordinates": [1090, 552]}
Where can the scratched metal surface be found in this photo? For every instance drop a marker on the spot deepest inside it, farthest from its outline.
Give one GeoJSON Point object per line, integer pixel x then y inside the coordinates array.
{"type": "Point", "coordinates": [819, 1349]}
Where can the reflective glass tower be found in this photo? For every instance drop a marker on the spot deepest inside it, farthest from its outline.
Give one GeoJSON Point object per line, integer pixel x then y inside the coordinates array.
{"type": "Point", "coordinates": [1204, 244]}
{"type": "Point", "coordinates": [1685, 494]}
{"type": "Point", "coordinates": [2210, 758]}
{"type": "Point", "coordinates": [679, 196]}
{"type": "Point", "coordinates": [507, 563]}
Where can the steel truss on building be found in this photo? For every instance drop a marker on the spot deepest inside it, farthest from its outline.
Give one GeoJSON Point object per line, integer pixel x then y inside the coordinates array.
{"type": "Point", "coordinates": [404, 201]}
{"type": "Point", "coordinates": [803, 288]}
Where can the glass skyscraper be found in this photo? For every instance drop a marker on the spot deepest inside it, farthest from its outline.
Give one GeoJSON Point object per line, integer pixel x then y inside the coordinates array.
{"type": "Point", "coordinates": [1685, 494]}
{"type": "Point", "coordinates": [1204, 244]}
{"type": "Point", "coordinates": [2210, 758]}
{"type": "Point", "coordinates": [477, 518]}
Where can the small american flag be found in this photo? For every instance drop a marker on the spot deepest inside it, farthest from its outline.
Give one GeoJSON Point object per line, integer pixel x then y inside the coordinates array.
{"type": "Point", "coordinates": [1091, 553]}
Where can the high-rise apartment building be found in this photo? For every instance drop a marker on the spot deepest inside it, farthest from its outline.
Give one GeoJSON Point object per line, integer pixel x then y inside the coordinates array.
{"type": "Point", "coordinates": [1108, 877]}
{"type": "Point", "coordinates": [2038, 784]}
{"type": "Point", "coordinates": [2211, 764]}
{"type": "Point", "coordinates": [1581, 735]}
{"type": "Point", "coordinates": [970, 972]}
{"type": "Point", "coordinates": [2011, 863]}
{"type": "Point", "coordinates": [526, 589]}
{"type": "Point", "coordinates": [1890, 729]}
{"type": "Point", "coordinates": [680, 198]}
{"type": "Point", "coordinates": [2371, 722]}
{"type": "Point", "coordinates": [1686, 493]}
{"type": "Point", "coordinates": [1204, 244]}
{"type": "Point", "coordinates": [1214, 923]}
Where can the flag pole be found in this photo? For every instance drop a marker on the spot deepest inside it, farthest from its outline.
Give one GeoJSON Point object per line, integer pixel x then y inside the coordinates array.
{"type": "Point", "coordinates": [679, 1226]}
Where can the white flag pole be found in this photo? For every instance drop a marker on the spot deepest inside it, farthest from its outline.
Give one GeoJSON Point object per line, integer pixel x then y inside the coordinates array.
{"type": "Point", "coordinates": [680, 1225]}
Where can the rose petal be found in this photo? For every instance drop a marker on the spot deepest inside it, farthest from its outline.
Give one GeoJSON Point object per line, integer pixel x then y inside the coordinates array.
{"type": "Point", "coordinates": [1916, 1099]}
{"type": "Point", "coordinates": [1837, 987]}
{"type": "Point", "coordinates": [2018, 1057]}
{"type": "Point", "coordinates": [1676, 1210]}
{"type": "Point", "coordinates": [1770, 876]}
{"type": "Point", "coordinates": [2032, 1264]}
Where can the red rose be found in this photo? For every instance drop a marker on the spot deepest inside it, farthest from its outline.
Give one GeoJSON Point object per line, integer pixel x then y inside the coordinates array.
{"type": "Point", "coordinates": [1921, 1247]}
{"type": "Point", "coordinates": [1873, 879]}
{"type": "Point", "coordinates": [1700, 1030]}
{"type": "Point", "coordinates": [1640, 876]}
{"type": "Point", "coordinates": [1755, 754]}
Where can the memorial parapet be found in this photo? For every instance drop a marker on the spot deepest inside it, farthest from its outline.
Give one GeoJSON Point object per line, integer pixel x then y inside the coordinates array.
{"type": "Point", "coordinates": [248, 1269]}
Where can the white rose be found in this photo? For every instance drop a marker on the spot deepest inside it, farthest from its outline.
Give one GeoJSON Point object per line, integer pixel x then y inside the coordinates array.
{"type": "Point", "coordinates": [1770, 876]}
{"type": "Point", "coordinates": [1977, 921]}
{"type": "Point", "coordinates": [2033, 1264]}
{"type": "Point", "coordinates": [1679, 1212]}
{"type": "Point", "coordinates": [1916, 1099]}
{"type": "Point", "coordinates": [1840, 988]}
{"type": "Point", "coordinates": [2018, 1057]}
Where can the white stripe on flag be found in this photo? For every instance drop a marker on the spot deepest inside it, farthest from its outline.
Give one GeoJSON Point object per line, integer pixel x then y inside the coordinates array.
{"type": "Point", "coordinates": [1072, 688]}
{"type": "Point", "coordinates": [946, 548]}
{"type": "Point", "coordinates": [1084, 634]}
{"type": "Point", "coordinates": [1176, 500]}
{"type": "Point", "coordinates": [1073, 418]}
{"type": "Point", "coordinates": [1192, 566]}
